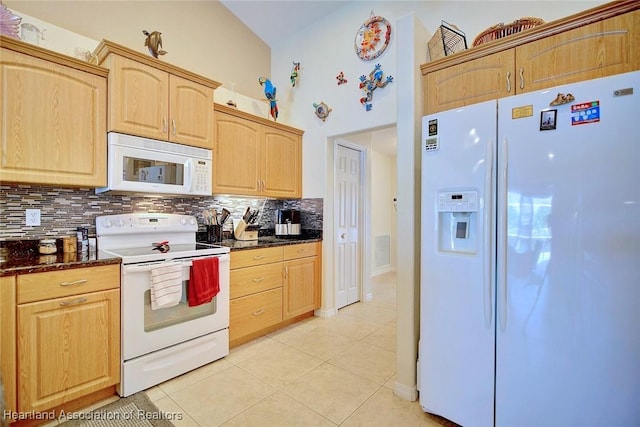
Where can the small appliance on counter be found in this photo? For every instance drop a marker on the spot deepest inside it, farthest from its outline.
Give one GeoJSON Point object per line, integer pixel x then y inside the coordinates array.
{"type": "Point", "coordinates": [287, 222]}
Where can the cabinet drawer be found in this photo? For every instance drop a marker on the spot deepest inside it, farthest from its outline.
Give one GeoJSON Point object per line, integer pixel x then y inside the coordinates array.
{"type": "Point", "coordinates": [302, 250]}
{"type": "Point", "coordinates": [249, 280]}
{"type": "Point", "coordinates": [249, 258]}
{"type": "Point", "coordinates": [56, 284]}
{"type": "Point", "coordinates": [254, 312]}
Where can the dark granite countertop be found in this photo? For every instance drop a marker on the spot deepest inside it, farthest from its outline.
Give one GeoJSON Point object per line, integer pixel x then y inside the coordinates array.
{"type": "Point", "coordinates": [267, 239]}
{"type": "Point", "coordinates": [22, 257]}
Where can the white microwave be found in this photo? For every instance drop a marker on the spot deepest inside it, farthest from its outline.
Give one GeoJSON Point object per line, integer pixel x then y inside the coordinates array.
{"type": "Point", "coordinates": [142, 165]}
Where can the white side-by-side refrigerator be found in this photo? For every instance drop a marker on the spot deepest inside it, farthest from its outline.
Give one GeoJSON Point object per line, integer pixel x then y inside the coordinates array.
{"type": "Point", "coordinates": [530, 258]}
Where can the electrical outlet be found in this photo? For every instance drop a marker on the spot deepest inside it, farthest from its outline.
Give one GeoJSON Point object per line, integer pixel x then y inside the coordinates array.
{"type": "Point", "coordinates": [32, 216]}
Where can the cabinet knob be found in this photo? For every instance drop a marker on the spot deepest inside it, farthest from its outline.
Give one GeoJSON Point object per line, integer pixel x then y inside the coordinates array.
{"type": "Point", "coordinates": [259, 312]}
{"type": "Point", "coordinates": [173, 126]}
{"type": "Point", "coordinates": [508, 81]}
{"type": "Point", "coordinates": [258, 279]}
{"type": "Point", "coordinates": [165, 125]}
{"type": "Point", "coordinates": [521, 78]}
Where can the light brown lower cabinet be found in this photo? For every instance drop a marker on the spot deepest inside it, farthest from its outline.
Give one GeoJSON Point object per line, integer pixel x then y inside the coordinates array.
{"type": "Point", "coordinates": [301, 279]}
{"type": "Point", "coordinates": [271, 288]}
{"type": "Point", "coordinates": [66, 344]}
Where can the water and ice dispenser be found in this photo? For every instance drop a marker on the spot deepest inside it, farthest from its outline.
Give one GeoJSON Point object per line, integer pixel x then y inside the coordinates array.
{"type": "Point", "coordinates": [458, 221]}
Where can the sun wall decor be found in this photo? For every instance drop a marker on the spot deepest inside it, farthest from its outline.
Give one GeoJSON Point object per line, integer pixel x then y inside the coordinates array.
{"type": "Point", "coordinates": [372, 38]}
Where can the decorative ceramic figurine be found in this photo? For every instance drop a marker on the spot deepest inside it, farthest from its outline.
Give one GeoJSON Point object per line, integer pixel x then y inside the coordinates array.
{"type": "Point", "coordinates": [562, 99]}
{"type": "Point", "coordinates": [341, 79]}
{"type": "Point", "coordinates": [372, 83]}
{"type": "Point", "coordinates": [270, 93]}
{"type": "Point", "coordinates": [322, 110]}
{"type": "Point", "coordinates": [231, 102]}
{"type": "Point", "coordinates": [9, 23]}
{"type": "Point", "coordinates": [154, 43]}
{"type": "Point", "coordinates": [294, 73]}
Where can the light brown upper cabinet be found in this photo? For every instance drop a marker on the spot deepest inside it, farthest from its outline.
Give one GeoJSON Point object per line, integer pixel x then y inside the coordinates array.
{"type": "Point", "coordinates": [150, 98]}
{"type": "Point", "coordinates": [592, 44]}
{"type": "Point", "coordinates": [255, 157]}
{"type": "Point", "coordinates": [53, 118]}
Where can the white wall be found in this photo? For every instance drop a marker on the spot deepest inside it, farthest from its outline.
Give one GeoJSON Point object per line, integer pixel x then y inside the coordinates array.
{"type": "Point", "coordinates": [383, 218]}
{"type": "Point", "coordinates": [201, 36]}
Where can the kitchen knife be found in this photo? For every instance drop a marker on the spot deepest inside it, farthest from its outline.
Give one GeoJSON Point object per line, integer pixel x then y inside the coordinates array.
{"type": "Point", "coordinates": [224, 216]}
{"type": "Point", "coordinates": [246, 215]}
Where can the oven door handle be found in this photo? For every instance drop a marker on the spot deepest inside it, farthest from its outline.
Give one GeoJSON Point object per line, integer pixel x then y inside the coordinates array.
{"type": "Point", "coordinates": [142, 268]}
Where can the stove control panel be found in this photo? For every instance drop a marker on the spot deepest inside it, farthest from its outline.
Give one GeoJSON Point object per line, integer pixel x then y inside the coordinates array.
{"type": "Point", "coordinates": [145, 222]}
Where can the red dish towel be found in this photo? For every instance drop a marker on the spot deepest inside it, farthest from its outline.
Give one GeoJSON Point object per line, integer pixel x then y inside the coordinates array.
{"type": "Point", "coordinates": [203, 284]}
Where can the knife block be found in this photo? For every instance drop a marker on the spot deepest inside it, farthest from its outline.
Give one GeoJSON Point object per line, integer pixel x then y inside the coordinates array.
{"type": "Point", "coordinates": [243, 231]}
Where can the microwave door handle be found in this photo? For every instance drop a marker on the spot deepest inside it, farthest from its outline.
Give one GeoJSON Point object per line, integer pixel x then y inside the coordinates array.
{"type": "Point", "coordinates": [188, 175]}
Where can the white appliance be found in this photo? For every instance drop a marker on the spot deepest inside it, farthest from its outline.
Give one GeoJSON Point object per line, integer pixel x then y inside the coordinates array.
{"type": "Point", "coordinates": [161, 344]}
{"type": "Point", "coordinates": [530, 259]}
{"type": "Point", "coordinates": [142, 165]}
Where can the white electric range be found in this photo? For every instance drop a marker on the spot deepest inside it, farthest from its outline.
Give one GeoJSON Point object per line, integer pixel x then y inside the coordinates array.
{"type": "Point", "coordinates": [160, 344]}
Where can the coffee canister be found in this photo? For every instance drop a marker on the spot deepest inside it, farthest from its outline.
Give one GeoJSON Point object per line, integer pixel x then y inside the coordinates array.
{"type": "Point", "coordinates": [69, 245]}
{"type": "Point", "coordinates": [47, 246]}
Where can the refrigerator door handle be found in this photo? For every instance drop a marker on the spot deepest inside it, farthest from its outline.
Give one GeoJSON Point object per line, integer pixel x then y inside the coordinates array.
{"type": "Point", "coordinates": [501, 279]}
{"type": "Point", "coordinates": [488, 208]}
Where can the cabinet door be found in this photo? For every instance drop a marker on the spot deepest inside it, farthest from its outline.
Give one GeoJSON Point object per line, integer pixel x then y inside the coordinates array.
{"type": "Point", "coordinates": [301, 286]}
{"type": "Point", "coordinates": [596, 50]}
{"type": "Point", "coordinates": [235, 156]}
{"type": "Point", "coordinates": [67, 348]}
{"type": "Point", "coordinates": [53, 123]}
{"type": "Point", "coordinates": [190, 113]}
{"type": "Point", "coordinates": [478, 80]}
{"type": "Point", "coordinates": [281, 168]}
{"type": "Point", "coordinates": [138, 98]}
{"type": "Point", "coordinates": [8, 340]}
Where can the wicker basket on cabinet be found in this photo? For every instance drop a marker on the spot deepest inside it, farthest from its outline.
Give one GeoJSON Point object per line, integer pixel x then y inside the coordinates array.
{"type": "Point", "coordinates": [447, 39]}
{"type": "Point", "coordinates": [501, 30]}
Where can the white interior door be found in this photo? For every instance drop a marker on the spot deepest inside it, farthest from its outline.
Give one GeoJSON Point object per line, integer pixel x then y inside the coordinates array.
{"type": "Point", "coordinates": [348, 259]}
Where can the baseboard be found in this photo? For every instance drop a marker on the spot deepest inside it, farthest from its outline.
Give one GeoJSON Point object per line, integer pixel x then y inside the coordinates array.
{"type": "Point", "coordinates": [325, 313]}
{"type": "Point", "coordinates": [368, 296]}
{"type": "Point", "coordinates": [383, 270]}
{"type": "Point", "coordinates": [405, 392]}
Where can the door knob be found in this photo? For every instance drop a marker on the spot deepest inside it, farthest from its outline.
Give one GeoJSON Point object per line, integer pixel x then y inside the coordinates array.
{"type": "Point", "coordinates": [343, 235]}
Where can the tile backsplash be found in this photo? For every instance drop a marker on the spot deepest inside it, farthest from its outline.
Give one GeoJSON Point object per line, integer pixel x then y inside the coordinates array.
{"type": "Point", "coordinates": [62, 210]}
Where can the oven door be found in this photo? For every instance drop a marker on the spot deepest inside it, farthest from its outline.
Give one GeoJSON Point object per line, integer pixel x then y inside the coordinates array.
{"type": "Point", "coordinates": [145, 330]}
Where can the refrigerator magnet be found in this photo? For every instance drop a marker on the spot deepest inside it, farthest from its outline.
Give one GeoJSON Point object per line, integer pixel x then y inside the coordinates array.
{"type": "Point", "coordinates": [584, 113]}
{"type": "Point", "coordinates": [548, 119]}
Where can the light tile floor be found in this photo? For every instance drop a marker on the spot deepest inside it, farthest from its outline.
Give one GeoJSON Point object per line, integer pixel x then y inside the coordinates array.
{"type": "Point", "coordinates": [338, 371]}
